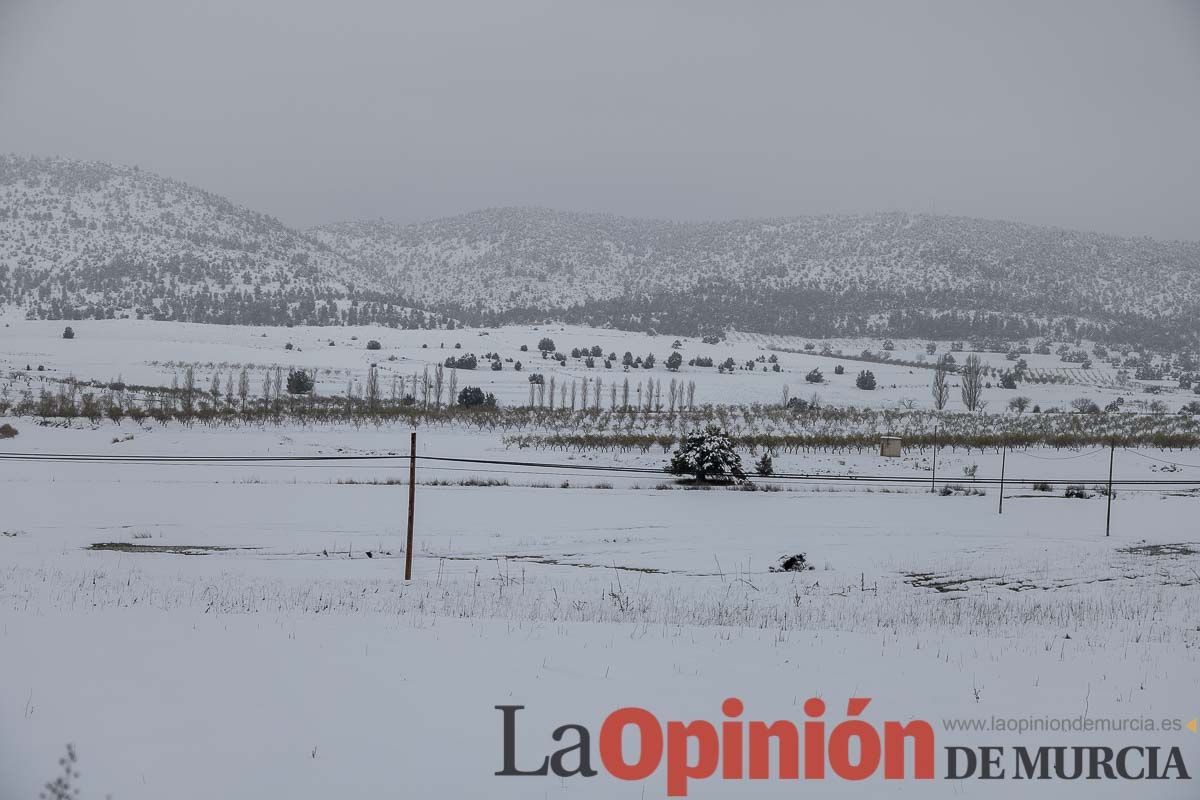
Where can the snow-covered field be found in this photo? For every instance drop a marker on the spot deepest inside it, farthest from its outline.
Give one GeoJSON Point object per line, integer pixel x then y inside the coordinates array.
{"type": "Point", "coordinates": [148, 352]}
{"type": "Point", "coordinates": [216, 630]}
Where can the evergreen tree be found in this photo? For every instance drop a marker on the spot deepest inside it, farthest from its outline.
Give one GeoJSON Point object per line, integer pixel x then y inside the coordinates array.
{"type": "Point", "coordinates": [707, 455]}
{"type": "Point", "coordinates": [764, 467]}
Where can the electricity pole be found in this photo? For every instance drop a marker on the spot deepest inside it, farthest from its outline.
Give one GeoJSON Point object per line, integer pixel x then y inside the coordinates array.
{"type": "Point", "coordinates": [933, 480]}
{"type": "Point", "coordinates": [1003, 456]}
{"type": "Point", "coordinates": [1112, 447]}
{"type": "Point", "coordinates": [412, 500]}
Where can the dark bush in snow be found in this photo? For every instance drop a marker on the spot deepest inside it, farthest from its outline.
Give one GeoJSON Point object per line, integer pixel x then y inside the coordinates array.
{"type": "Point", "coordinates": [299, 382]}
{"type": "Point", "coordinates": [797, 562]}
{"type": "Point", "coordinates": [707, 455]}
{"type": "Point", "coordinates": [467, 361]}
{"type": "Point", "coordinates": [473, 397]}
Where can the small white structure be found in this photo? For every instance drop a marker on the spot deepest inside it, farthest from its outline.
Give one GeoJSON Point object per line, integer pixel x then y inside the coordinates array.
{"type": "Point", "coordinates": [889, 446]}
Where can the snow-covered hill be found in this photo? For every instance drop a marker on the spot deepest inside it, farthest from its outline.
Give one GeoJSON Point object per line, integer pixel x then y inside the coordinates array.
{"type": "Point", "coordinates": [897, 274]}
{"type": "Point", "coordinates": [88, 239]}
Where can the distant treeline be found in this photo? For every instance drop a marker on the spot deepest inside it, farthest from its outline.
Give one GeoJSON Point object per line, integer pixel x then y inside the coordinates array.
{"type": "Point", "coordinates": [850, 314]}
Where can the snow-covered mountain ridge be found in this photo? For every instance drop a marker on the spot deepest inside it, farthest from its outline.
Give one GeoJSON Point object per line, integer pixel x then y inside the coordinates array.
{"type": "Point", "coordinates": [86, 239]}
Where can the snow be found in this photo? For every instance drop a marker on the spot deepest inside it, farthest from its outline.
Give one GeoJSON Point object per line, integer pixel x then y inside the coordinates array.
{"type": "Point", "coordinates": [149, 352]}
{"type": "Point", "coordinates": [294, 664]}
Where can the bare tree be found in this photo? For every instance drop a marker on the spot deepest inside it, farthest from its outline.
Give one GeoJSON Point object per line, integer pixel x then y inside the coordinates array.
{"type": "Point", "coordinates": [243, 388]}
{"type": "Point", "coordinates": [596, 393]}
{"type": "Point", "coordinates": [691, 395]}
{"type": "Point", "coordinates": [372, 389]}
{"type": "Point", "coordinates": [266, 387]}
{"type": "Point", "coordinates": [941, 390]}
{"type": "Point", "coordinates": [439, 378]}
{"type": "Point", "coordinates": [972, 382]}
{"type": "Point", "coordinates": [453, 394]}
{"type": "Point", "coordinates": [189, 391]}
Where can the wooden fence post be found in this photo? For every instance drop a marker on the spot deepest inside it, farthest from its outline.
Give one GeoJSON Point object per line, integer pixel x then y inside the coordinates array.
{"type": "Point", "coordinates": [412, 499]}
{"type": "Point", "coordinates": [1112, 447]}
{"type": "Point", "coordinates": [1003, 457]}
{"type": "Point", "coordinates": [933, 480]}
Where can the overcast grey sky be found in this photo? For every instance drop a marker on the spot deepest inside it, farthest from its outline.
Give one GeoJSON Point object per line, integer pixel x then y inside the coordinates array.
{"type": "Point", "coordinates": [1081, 113]}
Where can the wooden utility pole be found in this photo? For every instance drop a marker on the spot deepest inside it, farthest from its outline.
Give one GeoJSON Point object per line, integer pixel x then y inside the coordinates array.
{"type": "Point", "coordinates": [1003, 457]}
{"type": "Point", "coordinates": [933, 480]}
{"type": "Point", "coordinates": [1112, 447]}
{"type": "Point", "coordinates": [412, 499]}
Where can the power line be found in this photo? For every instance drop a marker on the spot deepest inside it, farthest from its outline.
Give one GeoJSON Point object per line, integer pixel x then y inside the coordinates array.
{"type": "Point", "coordinates": [1058, 458]}
{"type": "Point", "coordinates": [322, 460]}
{"type": "Point", "coordinates": [1160, 460]}
{"type": "Point", "coordinates": [155, 459]}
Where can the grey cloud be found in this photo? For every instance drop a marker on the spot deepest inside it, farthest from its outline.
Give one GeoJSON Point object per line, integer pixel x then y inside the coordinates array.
{"type": "Point", "coordinates": [1079, 113]}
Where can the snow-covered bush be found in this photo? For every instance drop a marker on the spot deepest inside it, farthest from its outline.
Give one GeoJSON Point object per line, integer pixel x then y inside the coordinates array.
{"type": "Point", "coordinates": [473, 397]}
{"type": "Point", "coordinates": [708, 455]}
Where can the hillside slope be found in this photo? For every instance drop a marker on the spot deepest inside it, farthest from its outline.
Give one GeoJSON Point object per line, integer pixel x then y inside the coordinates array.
{"type": "Point", "coordinates": [900, 274]}
{"type": "Point", "coordinates": [88, 239]}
